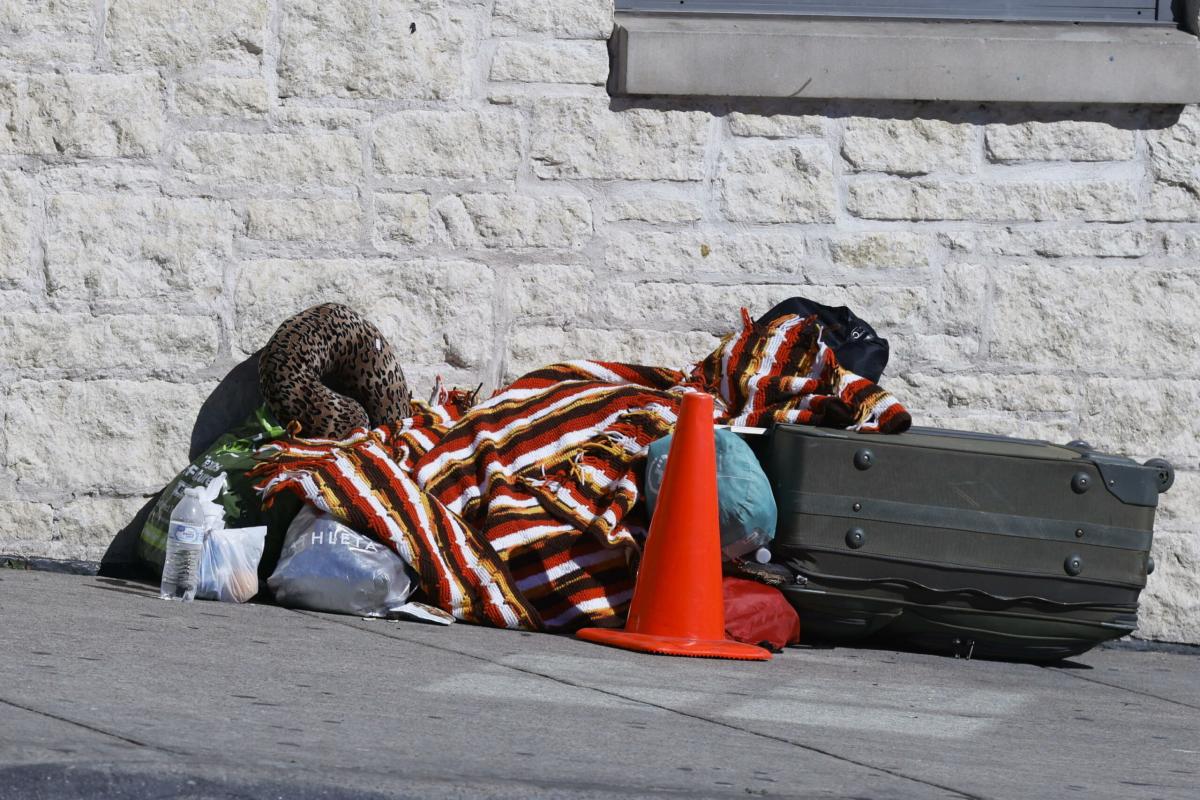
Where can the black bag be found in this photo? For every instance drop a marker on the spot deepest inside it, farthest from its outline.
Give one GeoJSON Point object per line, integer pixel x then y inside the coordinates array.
{"type": "Point", "coordinates": [962, 543]}
{"type": "Point", "coordinates": [857, 347]}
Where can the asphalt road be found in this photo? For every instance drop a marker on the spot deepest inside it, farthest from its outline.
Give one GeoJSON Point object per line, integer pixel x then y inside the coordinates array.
{"type": "Point", "coordinates": [107, 691]}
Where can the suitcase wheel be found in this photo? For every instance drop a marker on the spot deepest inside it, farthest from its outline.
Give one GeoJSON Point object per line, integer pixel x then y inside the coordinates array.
{"type": "Point", "coordinates": [1166, 473]}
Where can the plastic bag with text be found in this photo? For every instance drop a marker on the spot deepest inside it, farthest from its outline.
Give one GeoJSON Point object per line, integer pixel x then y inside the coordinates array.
{"type": "Point", "coordinates": [326, 566]}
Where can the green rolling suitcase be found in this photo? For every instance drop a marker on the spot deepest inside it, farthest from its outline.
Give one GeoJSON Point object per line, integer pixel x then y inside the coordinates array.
{"type": "Point", "coordinates": [962, 543]}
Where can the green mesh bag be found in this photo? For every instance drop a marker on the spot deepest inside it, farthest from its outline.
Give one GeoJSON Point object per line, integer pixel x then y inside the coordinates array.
{"type": "Point", "coordinates": [233, 454]}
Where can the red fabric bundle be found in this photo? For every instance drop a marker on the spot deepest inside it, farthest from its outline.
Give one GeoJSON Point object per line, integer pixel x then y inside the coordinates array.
{"type": "Point", "coordinates": [759, 614]}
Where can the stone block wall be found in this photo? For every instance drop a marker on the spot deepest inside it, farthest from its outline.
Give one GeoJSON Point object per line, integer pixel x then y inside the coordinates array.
{"type": "Point", "coordinates": [178, 177]}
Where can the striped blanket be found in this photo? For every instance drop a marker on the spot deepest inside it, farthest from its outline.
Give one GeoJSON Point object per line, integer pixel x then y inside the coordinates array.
{"type": "Point", "coordinates": [522, 511]}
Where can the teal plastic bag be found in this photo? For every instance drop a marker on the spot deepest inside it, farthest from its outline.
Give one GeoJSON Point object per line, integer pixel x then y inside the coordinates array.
{"type": "Point", "coordinates": [748, 513]}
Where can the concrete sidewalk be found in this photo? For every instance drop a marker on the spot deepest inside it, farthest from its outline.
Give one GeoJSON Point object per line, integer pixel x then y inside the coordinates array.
{"type": "Point", "coordinates": [107, 691]}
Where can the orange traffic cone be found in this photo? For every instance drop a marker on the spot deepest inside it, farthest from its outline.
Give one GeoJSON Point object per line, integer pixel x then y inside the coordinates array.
{"type": "Point", "coordinates": [678, 608]}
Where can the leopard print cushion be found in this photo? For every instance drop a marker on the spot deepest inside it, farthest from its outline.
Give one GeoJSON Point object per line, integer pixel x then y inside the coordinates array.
{"type": "Point", "coordinates": [332, 371]}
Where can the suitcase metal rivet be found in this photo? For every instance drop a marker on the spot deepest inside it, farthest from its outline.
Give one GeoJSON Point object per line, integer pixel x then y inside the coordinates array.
{"type": "Point", "coordinates": [1073, 565]}
{"type": "Point", "coordinates": [857, 506]}
{"type": "Point", "coordinates": [863, 459]}
{"type": "Point", "coordinates": [1080, 482]}
{"type": "Point", "coordinates": [1079, 533]}
{"type": "Point", "coordinates": [856, 538]}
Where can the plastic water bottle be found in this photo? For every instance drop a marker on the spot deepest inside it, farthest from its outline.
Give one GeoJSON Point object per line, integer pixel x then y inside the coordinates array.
{"type": "Point", "coordinates": [185, 540]}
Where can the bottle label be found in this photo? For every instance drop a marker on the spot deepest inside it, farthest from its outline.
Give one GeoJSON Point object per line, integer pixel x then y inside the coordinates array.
{"type": "Point", "coordinates": [187, 534]}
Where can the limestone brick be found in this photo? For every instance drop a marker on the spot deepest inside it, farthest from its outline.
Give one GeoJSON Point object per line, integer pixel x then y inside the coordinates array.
{"type": "Point", "coordinates": [118, 436]}
{"type": "Point", "coordinates": [717, 306]}
{"type": "Point", "coordinates": [1141, 418]}
{"type": "Point", "coordinates": [220, 96]}
{"type": "Point", "coordinates": [290, 116]}
{"type": "Point", "coordinates": [322, 220]}
{"type": "Point", "coordinates": [86, 526]}
{"type": "Point", "coordinates": [1170, 604]}
{"type": "Point", "coordinates": [318, 159]}
{"type": "Point", "coordinates": [1173, 202]}
{"type": "Point", "coordinates": [930, 200]}
{"type": "Point", "coordinates": [1173, 149]}
{"type": "Point", "coordinates": [775, 182]}
{"type": "Point", "coordinates": [1065, 140]}
{"type": "Point", "coordinates": [179, 35]}
{"type": "Point", "coordinates": [1087, 242]}
{"type": "Point", "coordinates": [447, 144]}
{"type": "Point", "coordinates": [551, 61]}
{"type": "Point", "coordinates": [85, 115]}
{"type": "Point", "coordinates": [396, 50]}
{"type": "Point", "coordinates": [83, 344]}
{"type": "Point", "coordinates": [581, 138]}
{"type": "Point", "coordinates": [908, 146]}
{"type": "Point", "coordinates": [1026, 394]}
{"type": "Point", "coordinates": [660, 210]}
{"type": "Point", "coordinates": [568, 19]}
{"type": "Point", "coordinates": [15, 235]}
{"type": "Point", "coordinates": [890, 249]}
{"type": "Point", "coordinates": [1179, 507]}
{"type": "Point", "coordinates": [550, 292]}
{"type": "Point", "coordinates": [44, 33]}
{"type": "Point", "coordinates": [776, 126]}
{"type": "Point", "coordinates": [117, 246]}
{"type": "Point", "coordinates": [402, 218]}
{"type": "Point", "coordinates": [1181, 243]}
{"type": "Point", "coordinates": [1138, 322]}
{"type": "Point", "coordinates": [27, 529]}
{"type": "Point", "coordinates": [688, 252]}
{"type": "Point", "coordinates": [520, 221]}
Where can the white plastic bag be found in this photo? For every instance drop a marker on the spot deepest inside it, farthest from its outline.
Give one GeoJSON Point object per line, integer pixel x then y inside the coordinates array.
{"type": "Point", "coordinates": [229, 564]}
{"type": "Point", "coordinates": [326, 566]}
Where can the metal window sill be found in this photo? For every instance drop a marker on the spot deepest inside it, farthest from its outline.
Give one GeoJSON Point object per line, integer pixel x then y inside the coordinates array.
{"type": "Point", "coordinates": [772, 56]}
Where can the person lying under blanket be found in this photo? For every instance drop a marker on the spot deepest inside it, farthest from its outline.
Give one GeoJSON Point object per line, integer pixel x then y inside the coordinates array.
{"type": "Point", "coordinates": [522, 511]}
